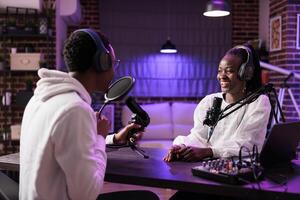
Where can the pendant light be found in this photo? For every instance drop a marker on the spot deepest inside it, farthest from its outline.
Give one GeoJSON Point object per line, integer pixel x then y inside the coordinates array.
{"type": "Point", "coordinates": [217, 8]}
{"type": "Point", "coordinates": [168, 46]}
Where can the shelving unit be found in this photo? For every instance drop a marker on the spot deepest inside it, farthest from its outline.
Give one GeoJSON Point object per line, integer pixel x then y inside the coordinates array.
{"type": "Point", "coordinates": [24, 24]}
{"type": "Point", "coordinates": [24, 33]}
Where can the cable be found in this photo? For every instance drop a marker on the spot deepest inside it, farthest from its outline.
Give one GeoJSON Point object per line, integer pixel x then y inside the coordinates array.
{"type": "Point", "coordinates": [253, 164]}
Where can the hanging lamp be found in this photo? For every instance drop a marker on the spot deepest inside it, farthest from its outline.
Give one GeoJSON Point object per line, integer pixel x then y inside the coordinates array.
{"type": "Point", "coordinates": [217, 8]}
{"type": "Point", "coordinates": [168, 47]}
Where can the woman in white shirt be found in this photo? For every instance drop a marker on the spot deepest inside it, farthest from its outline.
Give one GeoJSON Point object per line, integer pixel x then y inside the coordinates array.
{"type": "Point", "coordinates": [238, 75]}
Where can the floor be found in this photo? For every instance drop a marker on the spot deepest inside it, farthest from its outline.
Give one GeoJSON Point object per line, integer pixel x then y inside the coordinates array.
{"type": "Point", "coordinates": [164, 194]}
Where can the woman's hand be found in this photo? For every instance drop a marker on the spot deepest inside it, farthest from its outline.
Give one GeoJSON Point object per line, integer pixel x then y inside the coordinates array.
{"type": "Point", "coordinates": [187, 153]}
{"type": "Point", "coordinates": [194, 154]}
{"type": "Point", "coordinates": [173, 153]}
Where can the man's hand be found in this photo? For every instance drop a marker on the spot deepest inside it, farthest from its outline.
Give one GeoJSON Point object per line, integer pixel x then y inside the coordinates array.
{"type": "Point", "coordinates": [121, 136]}
{"type": "Point", "coordinates": [187, 153]}
{"type": "Point", "coordinates": [103, 125]}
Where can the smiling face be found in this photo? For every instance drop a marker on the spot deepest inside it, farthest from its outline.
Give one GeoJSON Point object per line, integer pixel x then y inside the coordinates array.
{"type": "Point", "coordinates": [228, 76]}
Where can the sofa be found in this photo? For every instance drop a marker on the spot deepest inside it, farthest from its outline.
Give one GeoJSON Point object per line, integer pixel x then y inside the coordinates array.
{"type": "Point", "coordinates": [168, 120]}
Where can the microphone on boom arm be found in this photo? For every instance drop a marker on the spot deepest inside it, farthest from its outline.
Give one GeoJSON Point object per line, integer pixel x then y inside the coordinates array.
{"type": "Point", "coordinates": [139, 116]}
{"type": "Point", "coordinates": [212, 115]}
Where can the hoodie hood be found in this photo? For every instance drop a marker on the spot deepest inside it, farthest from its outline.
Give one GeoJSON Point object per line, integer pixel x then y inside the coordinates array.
{"type": "Point", "coordinates": [55, 82]}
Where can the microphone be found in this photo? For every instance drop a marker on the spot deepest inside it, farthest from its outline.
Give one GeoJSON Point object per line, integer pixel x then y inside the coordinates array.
{"type": "Point", "coordinates": [139, 116]}
{"type": "Point", "coordinates": [212, 116]}
{"type": "Point", "coordinates": [212, 113]}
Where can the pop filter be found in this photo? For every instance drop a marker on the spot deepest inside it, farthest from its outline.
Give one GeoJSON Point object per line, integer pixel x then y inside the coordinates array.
{"type": "Point", "coordinates": [118, 89]}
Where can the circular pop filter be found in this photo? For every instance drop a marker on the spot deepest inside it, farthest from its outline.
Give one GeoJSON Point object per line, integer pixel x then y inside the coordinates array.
{"type": "Point", "coordinates": [119, 88]}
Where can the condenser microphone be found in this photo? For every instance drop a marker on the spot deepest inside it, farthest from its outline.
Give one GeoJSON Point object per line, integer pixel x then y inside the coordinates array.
{"type": "Point", "coordinates": [213, 113]}
{"type": "Point", "coordinates": [140, 116]}
{"type": "Point", "coordinates": [212, 116]}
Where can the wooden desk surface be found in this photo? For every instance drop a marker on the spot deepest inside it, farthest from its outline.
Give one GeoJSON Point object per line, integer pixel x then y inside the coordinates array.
{"type": "Point", "coordinates": [126, 166]}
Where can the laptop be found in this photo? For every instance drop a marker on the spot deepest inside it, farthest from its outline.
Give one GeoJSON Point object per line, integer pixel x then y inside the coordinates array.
{"type": "Point", "coordinates": [281, 144]}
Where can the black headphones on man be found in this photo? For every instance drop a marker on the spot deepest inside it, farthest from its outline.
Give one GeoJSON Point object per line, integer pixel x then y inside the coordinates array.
{"type": "Point", "coordinates": [101, 59]}
{"type": "Point", "coordinates": [246, 70]}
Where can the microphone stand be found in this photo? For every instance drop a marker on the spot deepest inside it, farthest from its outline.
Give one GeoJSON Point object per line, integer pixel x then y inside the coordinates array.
{"type": "Point", "coordinates": [135, 118]}
{"type": "Point", "coordinates": [132, 145]}
{"type": "Point", "coordinates": [266, 89]}
{"type": "Point", "coordinates": [138, 150]}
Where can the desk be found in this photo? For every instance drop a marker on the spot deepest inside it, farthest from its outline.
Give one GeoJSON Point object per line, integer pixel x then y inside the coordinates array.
{"type": "Point", "coordinates": [125, 166]}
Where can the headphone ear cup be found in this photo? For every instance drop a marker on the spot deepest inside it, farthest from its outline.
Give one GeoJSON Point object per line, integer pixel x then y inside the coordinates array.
{"type": "Point", "coordinates": [105, 61]}
{"type": "Point", "coordinates": [249, 72]}
{"type": "Point", "coordinates": [97, 61]}
{"type": "Point", "coordinates": [102, 61]}
{"type": "Point", "coordinates": [246, 72]}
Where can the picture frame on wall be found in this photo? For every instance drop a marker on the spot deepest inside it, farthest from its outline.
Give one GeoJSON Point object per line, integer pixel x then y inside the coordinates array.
{"type": "Point", "coordinates": [275, 33]}
{"type": "Point", "coordinates": [298, 32]}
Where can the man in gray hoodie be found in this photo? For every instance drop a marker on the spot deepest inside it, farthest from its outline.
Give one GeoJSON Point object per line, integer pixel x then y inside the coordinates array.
{"type": "Point", "coordinates": [62, 146]}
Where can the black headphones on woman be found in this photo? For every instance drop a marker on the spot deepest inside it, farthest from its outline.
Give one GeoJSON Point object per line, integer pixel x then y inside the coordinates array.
{"type": "Point", "coordinates": [246, 70]}
{"type": "Point", "coordinates": [101, 59]}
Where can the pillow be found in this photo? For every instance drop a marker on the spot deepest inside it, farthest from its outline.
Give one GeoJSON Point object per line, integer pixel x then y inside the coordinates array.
{"type": "Point", "coordinates": [183, 113]}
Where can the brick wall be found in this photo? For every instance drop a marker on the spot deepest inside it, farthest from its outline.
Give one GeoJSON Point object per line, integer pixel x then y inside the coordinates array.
{"type": "Point", "coordinates": [244, 21]}
{"type": "Point", "coordinates": [90, 16]}
{"type": "Point", "coordinates": [288, 56]}
{"type": "Point", "coordinates": [13, 81]}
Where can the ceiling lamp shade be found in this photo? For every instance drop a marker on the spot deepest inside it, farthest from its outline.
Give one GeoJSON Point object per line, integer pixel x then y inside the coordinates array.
{"type": "Point", "coordinates": [168, 47]}
{"type": "Point", "coordinates": [217, 8]}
